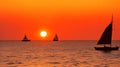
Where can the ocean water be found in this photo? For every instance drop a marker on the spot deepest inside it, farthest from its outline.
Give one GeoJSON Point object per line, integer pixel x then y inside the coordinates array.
{"type": "Point", "coordinates": [56, 54]}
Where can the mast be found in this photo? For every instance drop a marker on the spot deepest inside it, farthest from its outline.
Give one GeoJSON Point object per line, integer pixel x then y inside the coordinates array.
{"type": "Point", "coordinates": [112, 28]}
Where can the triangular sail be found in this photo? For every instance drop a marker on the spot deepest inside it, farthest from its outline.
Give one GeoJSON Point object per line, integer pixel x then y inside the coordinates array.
{"type": "Point", "coordinates": [55, 38]}
{"type": "Point", "coordinates": [25, 38]}
{"type": "Point", "coordinates": [106, 36]}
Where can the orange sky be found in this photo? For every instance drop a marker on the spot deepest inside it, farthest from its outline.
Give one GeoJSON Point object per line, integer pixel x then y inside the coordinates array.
{"type": "Point", "coordinates": [70, 19]}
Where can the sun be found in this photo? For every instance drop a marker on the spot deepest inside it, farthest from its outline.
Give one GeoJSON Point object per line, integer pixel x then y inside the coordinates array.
{"type": "Point", "coordinates": [43, 33]}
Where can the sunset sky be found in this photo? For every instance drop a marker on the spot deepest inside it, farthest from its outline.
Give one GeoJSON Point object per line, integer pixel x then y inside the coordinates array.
{"type": "Point", "coordinates": [70, 19]}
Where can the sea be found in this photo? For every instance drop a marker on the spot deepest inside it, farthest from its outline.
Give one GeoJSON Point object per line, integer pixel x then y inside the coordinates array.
{"type": "Point", "coordinates": [65, 53]}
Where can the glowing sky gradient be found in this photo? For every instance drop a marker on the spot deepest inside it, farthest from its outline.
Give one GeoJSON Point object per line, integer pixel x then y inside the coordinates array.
{"type": "Point", "coordinates": [70, 19]}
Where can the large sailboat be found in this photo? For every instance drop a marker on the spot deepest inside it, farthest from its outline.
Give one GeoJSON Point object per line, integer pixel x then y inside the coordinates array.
{"type": "Point", "coordinates": [55, 38]}
{"type": "Point", "coordinates": [106, 39]}
{"type": "Point", "coordinates": [25, 38]}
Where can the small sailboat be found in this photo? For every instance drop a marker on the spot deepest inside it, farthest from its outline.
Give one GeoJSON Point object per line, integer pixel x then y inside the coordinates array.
{"type": "Point", "coordinates": [55, 38]}
{"type": "Point", "coordinates": [106, 39]}
{"type": "Point", "coordinates": [25, 38]}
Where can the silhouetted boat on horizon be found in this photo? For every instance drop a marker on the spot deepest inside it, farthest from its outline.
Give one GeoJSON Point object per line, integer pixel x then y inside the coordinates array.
{"type": "Point", "coordinates": [106, 39]}
{"type": "Point", "coordinates": [25, 38]}
{"type": "Point", "coordinates": [55, 38]}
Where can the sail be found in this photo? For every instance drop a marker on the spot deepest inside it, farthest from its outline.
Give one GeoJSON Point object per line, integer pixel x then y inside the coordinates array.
{"type": "Point", "coordinates": [25, 38]}
{"type": "Point", "coordinates": [106, 36]}
{"type": "Point", "coordinates": [55, 38]}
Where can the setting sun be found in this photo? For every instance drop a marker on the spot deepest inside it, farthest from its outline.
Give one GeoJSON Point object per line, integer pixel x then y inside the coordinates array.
{"type": "Point", "coordinates": [43, 33]}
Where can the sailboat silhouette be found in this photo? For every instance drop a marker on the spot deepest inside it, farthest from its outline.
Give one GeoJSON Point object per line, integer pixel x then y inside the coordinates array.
{"type": "Point", "coordinates": [106, 39]}
{"type": "Point", "coordinates": [25, 38]}
{"type": "Point", "coordinates": [55, 37]}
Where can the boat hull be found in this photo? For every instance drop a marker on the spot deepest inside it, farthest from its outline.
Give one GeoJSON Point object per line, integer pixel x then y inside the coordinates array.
{"type": "Point", "coordinates": [106, 48]}
{"type": "Point", "coordinates": [26, 40]}
{"type": "Point", "coordinates": [55, 40]}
